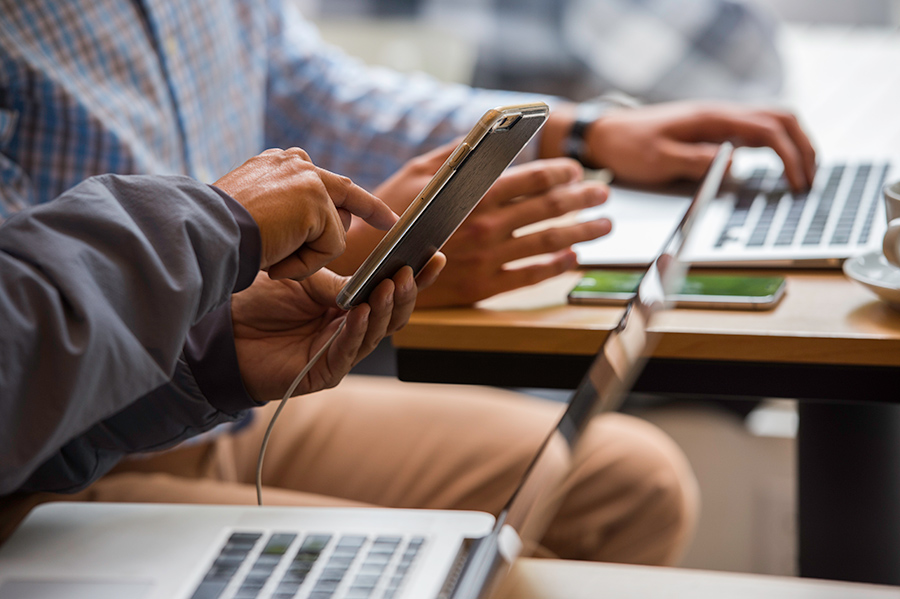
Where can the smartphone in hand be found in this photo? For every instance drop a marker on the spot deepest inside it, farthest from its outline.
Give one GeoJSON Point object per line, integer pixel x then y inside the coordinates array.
{"type": "Point", "coordinates": [453, 192]}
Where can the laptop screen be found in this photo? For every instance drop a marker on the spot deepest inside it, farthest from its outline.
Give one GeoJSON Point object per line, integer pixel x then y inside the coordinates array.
{"type": "Point", "coordinates": [610, 376]}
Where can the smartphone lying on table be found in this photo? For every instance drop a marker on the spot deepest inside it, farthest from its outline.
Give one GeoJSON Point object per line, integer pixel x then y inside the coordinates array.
{"type": "Point", "coordinates": [453, 192]}
{"type": "Point", "coordinates": [742, 292]}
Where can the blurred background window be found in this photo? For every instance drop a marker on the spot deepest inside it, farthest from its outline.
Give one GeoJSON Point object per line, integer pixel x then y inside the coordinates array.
{"type": "Point", "coordinates": [653, 49]}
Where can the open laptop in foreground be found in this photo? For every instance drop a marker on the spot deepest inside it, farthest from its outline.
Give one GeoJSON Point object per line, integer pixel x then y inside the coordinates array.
{"type": "Point", "coordinates": [755, 221]}
{"type": "Point", "coordinates": [141, 551]}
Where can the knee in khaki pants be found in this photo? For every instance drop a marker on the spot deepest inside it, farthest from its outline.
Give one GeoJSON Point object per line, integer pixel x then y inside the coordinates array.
{"type": "Point", "coordinates": [631, 496]}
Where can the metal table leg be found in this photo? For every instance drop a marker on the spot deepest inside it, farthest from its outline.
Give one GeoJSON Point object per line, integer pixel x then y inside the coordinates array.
{"type": "Point", "coordinates": [849, 491]}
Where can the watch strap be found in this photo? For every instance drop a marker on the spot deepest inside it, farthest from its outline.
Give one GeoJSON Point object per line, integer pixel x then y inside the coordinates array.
{"type": "Point", "coordinates": [586, 114]}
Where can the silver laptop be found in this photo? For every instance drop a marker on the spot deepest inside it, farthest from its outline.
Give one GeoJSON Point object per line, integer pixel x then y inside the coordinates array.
{"type": "Point", "coordinates": [141, 551]}
{"type": "Point", "coordinates": [755, 221]}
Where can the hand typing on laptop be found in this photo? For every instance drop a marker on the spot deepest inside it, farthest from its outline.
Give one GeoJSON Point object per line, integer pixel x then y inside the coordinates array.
{"type": "Point", "coordinates": [796, 214]}
{"type": "Point", "coordinates": [665, 142]}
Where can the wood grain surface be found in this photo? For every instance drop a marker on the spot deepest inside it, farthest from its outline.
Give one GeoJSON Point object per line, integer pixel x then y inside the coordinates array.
{"type": "Point", "coordinates": [824, 318]}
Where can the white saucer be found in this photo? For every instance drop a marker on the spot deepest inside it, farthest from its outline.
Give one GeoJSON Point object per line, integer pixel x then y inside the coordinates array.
{"type": "Point", "coordinates": [874, 272]}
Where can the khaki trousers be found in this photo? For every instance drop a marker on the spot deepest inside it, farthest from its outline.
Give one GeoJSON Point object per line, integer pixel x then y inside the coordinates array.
{"type": "Point", "coordinates": [630, 497]}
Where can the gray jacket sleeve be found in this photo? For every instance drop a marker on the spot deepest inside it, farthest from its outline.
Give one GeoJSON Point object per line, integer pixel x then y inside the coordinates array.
{"type": "Point", "coordinates": [113, 301]}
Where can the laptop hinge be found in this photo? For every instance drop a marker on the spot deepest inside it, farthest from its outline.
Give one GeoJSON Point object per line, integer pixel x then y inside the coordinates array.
{"type": "Point", "coordinates": [479, 571]}
{"type": "Point", "coordinates": [456, 569]}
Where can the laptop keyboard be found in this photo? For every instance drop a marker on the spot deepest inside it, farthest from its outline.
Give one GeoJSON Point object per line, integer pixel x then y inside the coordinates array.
{"type": "Point", "coordinates": [285, 565]}
{"type": "Point", "coordinates": [839, 210]}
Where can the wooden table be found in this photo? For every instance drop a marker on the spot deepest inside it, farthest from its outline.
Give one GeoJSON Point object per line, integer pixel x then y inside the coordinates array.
{"type": "Point", "coordinates": [830, 342]}
{"type": "Point", "coordinates": [825, 328]}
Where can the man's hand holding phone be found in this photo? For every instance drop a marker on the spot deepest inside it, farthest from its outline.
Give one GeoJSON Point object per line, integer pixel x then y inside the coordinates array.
{"type": "Point", "coordinates": [280, 324]}
{"type": "Point", "coordinates": [286, 316]}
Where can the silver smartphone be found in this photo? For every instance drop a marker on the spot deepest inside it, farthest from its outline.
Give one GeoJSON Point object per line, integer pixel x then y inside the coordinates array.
{"type": "Point", "coordinates": [747, 292]}
{"type": "Point", "coordinates": [453, 192]}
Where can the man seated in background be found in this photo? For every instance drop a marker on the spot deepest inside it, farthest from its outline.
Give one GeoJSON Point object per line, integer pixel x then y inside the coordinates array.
{"type": "Point", "coordinates": [194, 88]}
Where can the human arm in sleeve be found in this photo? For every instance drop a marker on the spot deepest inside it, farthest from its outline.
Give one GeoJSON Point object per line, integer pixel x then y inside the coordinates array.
{"type": "Point", "coordinates": [123, 338]}
{"type": "Point", "coordinates": [98, 291]}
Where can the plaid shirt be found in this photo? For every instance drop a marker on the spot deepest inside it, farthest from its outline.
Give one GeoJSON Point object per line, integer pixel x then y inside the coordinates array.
{"type": "Point", "coordinates": [196, 88]}
{"type": "Point", "coordinates": [652, 49]}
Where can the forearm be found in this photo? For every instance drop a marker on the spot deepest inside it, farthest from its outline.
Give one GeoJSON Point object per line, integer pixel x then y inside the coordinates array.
{"type": "Point", "coordinates": [171, 413]}
{"type": "Point", "coordinates": [98, 291]}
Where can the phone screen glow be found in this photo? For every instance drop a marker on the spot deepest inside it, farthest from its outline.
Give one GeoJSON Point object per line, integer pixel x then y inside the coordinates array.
{"type": "Point", "coordinates": [625, 283]}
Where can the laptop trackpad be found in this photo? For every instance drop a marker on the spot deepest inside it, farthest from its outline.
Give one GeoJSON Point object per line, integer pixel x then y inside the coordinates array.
{"type": "Point", "coordinates": [73, 589]}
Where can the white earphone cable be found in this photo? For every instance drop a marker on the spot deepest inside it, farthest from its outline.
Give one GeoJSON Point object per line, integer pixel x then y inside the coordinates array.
{"type": "Point", "coordinates": [287, 395]}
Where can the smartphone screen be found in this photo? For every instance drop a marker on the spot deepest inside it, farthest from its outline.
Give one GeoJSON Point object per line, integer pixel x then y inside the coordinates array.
{"type": "Point", "coordinates": [699, 290]}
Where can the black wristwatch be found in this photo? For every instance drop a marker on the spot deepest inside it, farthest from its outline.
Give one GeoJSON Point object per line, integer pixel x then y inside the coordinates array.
{"type": "Point", "coordinates": [586, 113]}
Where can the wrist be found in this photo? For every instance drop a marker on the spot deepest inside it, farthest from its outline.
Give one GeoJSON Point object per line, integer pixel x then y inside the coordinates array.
{"type": "Point", "coordinates": [250, 246]}
{"type": "Point", "coordinates": [576, 143]}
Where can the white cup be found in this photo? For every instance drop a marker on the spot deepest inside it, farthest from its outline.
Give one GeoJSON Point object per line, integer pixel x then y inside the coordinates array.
{"type": "Point", "coordinates": [891, 243]}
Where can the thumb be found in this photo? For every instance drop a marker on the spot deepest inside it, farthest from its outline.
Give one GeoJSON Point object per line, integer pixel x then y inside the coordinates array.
{"type": "Point", "coordinates": [323, 286]}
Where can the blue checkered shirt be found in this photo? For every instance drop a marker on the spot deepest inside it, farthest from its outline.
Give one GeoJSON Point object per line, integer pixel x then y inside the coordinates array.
{"type": "Point", "coordinates": [196, 88]}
